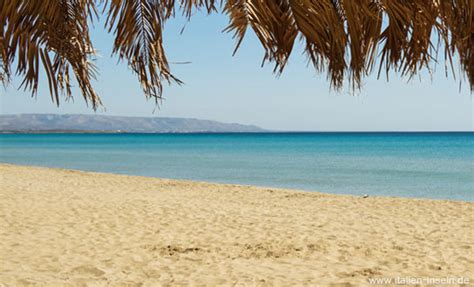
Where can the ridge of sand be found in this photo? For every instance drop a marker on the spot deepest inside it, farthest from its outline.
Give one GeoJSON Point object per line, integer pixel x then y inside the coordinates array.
{"type": "Point", "coordinates": [71, 228]}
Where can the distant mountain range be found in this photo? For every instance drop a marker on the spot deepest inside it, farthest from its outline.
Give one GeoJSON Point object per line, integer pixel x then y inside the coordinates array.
{"type": "Point", "coordinates": [33, 123]}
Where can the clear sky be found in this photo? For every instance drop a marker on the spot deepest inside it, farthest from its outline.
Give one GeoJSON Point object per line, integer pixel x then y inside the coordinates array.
{"type": "Point", "coordinates": [236, 89]}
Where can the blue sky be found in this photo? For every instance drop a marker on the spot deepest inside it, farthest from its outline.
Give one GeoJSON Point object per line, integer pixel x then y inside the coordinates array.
{"type": "Point", "coordinates": [237, 89]}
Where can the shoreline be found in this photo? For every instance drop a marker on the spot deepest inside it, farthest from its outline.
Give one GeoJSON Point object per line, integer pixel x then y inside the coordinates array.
{"type": "Point", "coordinates": [258, 187]}
{"type": "Point", "coordinates": [69, 227]}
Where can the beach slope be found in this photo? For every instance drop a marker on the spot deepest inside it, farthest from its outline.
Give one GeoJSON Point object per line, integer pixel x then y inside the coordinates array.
{"type": "Point", "coordinates": [72, 228]}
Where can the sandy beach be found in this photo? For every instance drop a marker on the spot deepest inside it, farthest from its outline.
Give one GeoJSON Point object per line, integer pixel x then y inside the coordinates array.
{"type": "Point", "coordinates": [72, 228]}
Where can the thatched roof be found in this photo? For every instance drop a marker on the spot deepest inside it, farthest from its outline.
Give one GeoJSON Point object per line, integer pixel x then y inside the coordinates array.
{"type": "Point", "coordinates": [346, 38]}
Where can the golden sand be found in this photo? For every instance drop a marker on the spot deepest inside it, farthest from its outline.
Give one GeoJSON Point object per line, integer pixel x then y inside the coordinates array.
{"type": "Point", "coordinates": [71, 228]}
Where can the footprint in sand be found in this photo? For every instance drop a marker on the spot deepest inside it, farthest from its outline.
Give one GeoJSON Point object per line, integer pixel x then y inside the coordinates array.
{"type": "Point", "coordinates": [88, 270]}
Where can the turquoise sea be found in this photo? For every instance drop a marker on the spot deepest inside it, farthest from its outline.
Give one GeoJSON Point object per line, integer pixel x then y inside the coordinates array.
{"type": "Point", "coordinates": [423, 165]}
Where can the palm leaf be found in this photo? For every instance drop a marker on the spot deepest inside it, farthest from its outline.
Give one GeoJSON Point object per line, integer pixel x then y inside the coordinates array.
{"type": "Point", "coordinates": [346, 38]}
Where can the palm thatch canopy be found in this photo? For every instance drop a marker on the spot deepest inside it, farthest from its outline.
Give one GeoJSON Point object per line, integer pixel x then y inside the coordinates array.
{"type": "Point", "coordinates": [346, 38]}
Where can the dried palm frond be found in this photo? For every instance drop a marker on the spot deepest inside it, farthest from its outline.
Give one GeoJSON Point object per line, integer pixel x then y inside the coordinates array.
{"type": "Point", "coordinates": [53, 33]}
{"type": "Point", "coordinates": [344, 37]}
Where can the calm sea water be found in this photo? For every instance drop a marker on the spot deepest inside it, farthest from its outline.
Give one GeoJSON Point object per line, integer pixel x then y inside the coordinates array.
{"type": "Point", "coordinates": [424, 165]}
